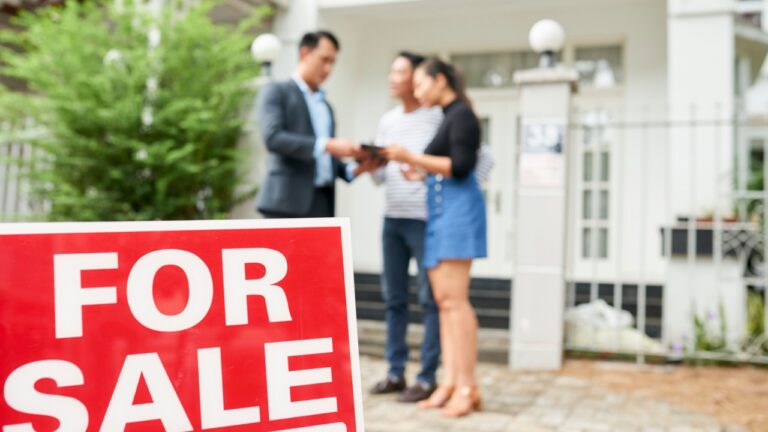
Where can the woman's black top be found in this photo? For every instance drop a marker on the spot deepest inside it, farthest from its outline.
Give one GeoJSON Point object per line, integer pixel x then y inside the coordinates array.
{"type": "Point", "coordinates": [457, 137]}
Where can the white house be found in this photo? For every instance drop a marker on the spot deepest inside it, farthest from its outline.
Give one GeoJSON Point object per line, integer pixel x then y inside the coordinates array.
{"type": "Point", "coordinates": [663, 88]}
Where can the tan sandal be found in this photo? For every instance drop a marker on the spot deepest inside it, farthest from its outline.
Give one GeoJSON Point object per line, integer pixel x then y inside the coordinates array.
{"type": "Point", "coordinates": [464, 400]}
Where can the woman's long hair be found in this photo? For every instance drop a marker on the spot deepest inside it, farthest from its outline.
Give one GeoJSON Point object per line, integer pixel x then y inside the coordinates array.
{"type": "Point", "coordinates": [453, 75]}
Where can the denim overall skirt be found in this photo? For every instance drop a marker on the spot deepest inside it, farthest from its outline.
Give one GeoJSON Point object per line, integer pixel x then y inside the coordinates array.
{"type": "Point", "coordinates": [456, 225]}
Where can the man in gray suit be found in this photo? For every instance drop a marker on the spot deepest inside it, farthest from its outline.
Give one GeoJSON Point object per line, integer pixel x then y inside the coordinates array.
{"type": "Point", "coordinates": [298, 128]}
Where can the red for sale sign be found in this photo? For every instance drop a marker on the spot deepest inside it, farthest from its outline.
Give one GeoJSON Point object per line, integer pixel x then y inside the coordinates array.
{"type": "Point", "coordinates": [178, 326]}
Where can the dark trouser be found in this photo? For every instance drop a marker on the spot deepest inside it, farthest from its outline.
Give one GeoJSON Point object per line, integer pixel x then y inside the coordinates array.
{"type": "Point", "coordinates": [403, 239]}
{"type": "Point", "coordinates": [322, 206]}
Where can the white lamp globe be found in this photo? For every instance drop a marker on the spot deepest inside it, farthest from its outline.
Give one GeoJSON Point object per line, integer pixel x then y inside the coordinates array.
{"type": "Point", "coordinates": [546, 36]}
{"type": "Point", "coordinates": [266, 47]}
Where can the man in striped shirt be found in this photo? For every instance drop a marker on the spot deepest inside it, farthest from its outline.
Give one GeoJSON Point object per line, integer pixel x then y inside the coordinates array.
{"type": "Point", "coordinates": [413, 127]}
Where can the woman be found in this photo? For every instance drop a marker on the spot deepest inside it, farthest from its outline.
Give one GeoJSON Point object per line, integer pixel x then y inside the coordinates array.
{"type": "Point", "coordinates": [455, 228]}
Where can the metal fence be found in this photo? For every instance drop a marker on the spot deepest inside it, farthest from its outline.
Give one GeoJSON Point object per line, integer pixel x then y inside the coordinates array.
{"type": "Point", "coordinates": [667, 227]}
{"type": "Point", "coordinates": [16, 203]}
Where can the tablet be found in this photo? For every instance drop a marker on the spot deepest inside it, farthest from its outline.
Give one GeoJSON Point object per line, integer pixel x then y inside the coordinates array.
{"type": "Point", "coordinates": [372, 148]}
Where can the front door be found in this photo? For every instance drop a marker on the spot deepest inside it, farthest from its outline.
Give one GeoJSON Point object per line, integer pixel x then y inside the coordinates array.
{"type": "Point", "coordinates": [498, 122]}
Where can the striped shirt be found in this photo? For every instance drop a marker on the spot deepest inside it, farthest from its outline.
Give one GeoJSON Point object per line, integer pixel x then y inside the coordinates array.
{"type": "Point", "coordinates": [414, 130]}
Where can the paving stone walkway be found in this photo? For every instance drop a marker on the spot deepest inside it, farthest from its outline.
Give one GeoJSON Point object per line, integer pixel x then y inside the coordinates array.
{"type": "Point", "coordinates": [534, 402]}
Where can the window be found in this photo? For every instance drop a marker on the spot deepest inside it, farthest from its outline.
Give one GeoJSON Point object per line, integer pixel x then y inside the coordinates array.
{"type": "Point", "coordinates": [485, 133]}
{"type": "Point", "coordinates": [600, 67]}
{"type": "Point", "coordinates": [595, 194]}
{"type": "Point", "coordinates": [494, 70]}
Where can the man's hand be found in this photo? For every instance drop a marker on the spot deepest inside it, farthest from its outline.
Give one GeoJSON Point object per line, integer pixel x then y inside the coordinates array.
{"type": "Point", "coordinates": [369, 164]}
{"type": "Point", "coordinates": [342, 147]}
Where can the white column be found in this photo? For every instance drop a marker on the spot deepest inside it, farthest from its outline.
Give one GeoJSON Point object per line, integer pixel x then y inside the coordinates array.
{"type": "Point", "coordinates": [701, 56]}
{"type": "Point", "coordinates": [538, 293]}
{"type": "Point", "coordinates": [291, 23]}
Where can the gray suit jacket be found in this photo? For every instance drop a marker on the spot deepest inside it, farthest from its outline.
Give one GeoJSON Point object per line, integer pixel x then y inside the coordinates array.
{"type": "Point", "coordinates": [286, 129]}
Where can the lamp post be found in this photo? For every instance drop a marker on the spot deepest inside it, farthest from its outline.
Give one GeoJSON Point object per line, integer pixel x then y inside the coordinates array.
{"type": "Point", "coordinates": [547, 38]}
{"type": "Point", "coordinates": [265, 49]}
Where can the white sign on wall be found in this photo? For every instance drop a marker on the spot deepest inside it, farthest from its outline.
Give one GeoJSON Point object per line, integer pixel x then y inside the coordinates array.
{"type": "Point", "coordinates": [542, 160]}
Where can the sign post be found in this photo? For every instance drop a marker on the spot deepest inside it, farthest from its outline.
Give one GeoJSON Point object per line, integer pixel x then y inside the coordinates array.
{"type": "Point", "coordinates": [179, 326]}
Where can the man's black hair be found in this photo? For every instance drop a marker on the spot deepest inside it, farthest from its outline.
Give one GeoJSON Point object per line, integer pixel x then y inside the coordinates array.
{"type": "Point", "coordinates": [311, 39]}
{"type": "Point", "coordinates": [413, 58]}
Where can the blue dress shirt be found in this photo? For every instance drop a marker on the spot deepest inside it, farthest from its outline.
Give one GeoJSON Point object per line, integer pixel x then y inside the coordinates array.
{"type": "Point", "coordinates": [322, 124]}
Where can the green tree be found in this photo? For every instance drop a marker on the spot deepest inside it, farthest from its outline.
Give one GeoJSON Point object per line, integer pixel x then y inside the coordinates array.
{"type": "Point", "coordinates": [131, 132]}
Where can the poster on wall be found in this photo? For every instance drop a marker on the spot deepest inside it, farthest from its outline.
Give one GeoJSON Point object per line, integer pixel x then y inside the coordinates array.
{"type": "Point", "coordinates": [542, 156]}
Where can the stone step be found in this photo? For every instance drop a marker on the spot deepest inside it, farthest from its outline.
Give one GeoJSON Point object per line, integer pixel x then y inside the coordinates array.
{"type": "Point", "coordinates": [493, 344]}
